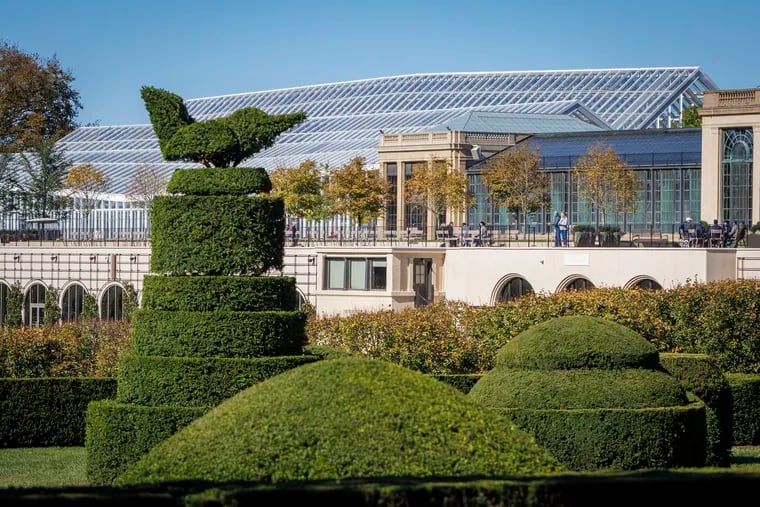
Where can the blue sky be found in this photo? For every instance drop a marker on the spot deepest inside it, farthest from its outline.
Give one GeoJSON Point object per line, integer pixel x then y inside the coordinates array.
{"type": "Point", "coordinates": [205, 48]}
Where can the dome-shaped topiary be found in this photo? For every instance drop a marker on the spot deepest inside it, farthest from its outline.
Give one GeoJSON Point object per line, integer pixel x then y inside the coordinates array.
{"type": "Point", "coordinates": [591, 391]}
{"type": "Point", "coordinates": [577, 341]}
{"type": "Point", "coordinates": [344, 418]}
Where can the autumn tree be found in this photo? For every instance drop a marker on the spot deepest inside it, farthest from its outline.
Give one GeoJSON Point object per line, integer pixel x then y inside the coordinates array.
{"type": "Point", "coordinates": [357, 192]}
{"type": "Point", "coordinates": [146, 183]}
{"type": "Point", "coordinates": [437, 187]}
{"type": "Point", "coordinates": [302, 190]}
{"type": "Point", "coordinates": [690, 117]}
{"type": "Point", "coordinates": [87, 184]}
{"type": "Point", "coordinates": [37, 100]}
{"type": "Point", "coordinates": [514, 180]}
{"type": "Point", "coordinates": [42, 169]}
{"type": "Point", "coordinates": [606, 182]}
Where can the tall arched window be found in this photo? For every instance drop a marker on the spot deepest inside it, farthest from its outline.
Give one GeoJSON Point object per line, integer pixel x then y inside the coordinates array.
{"type": "Point", "coordinates": [34, 305]}
{"type": "Point", "coordinates": [736, 173]}
{"type": "Point", "coordinates": [71, 305]}
{"type": "Point", "coordinates": [112, 303]}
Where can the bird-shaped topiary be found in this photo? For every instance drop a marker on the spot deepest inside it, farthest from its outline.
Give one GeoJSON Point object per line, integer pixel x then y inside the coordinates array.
{"type": "Point", "coordinates": [218, 142]}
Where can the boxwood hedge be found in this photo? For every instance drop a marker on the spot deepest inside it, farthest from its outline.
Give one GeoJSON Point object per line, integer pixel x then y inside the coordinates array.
{"type": "Point", "coordinates": [118, 434]}
{"type": "Point", "coordinates": [220, 181]}
{"type": "Point", "coordinates": [217, 334]}
{"type": "Point", "coordinates": [217, 235]}
{"type": "Point", "coordinates": [745, 401]}
{"type": "Point", "coordinates": [614, 439]}
{"type": "Point", "coordinates": [192, 381]}
{"type": "Point", "coordinates": [700, 375]}
{"type": "Point", "coordinates": [46, 412]}
{"type": "Point", "coordinates": [217, 293]}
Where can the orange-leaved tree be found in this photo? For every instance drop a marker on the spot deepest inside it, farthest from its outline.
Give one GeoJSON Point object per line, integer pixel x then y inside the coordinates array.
{"type": "Point", "coordinates": [437, 187]}
{"type": "Point", "coordinates": [514, 180]}
{"type": "Point", "coordinates": [357, 192]}
{"type": "Point", "coordinates": [606, 182]}
{"type": "Point", "coordinates": [87, 184]}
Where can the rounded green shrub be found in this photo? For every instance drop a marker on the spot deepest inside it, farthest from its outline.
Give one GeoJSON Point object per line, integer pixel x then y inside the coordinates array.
{"type": "Point", "coordinates": [591, 391]}
{"type": "Point", "coordinates": [219, 293]}
{"type": "Point", "coordinates": [217, 235]}
{"type": "Point", "coordinates": [339, 419]}
{"type": "Point", "coordinates": [224, 181]}
{"type": "Point", "coordinates": [217, 334]}
{"type": "Point", "coordinates": [577, 341]}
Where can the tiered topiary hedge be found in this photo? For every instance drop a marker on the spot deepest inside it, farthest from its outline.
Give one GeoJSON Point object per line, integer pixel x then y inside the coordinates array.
{"type": "Point", "coordinates": [210, 325]}
{"type": "Point", "coordinates": [589, 391]}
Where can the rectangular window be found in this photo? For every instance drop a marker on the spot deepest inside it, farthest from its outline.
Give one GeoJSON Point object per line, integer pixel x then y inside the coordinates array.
{"type": "Point", "coordinates": [336, 274]}
{"type": "Point", "coordinates": [355, 273]}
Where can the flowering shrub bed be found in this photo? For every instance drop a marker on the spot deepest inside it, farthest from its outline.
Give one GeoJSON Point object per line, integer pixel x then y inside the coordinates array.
{"type": "Point", "coordinates": [77, 349]}
{"type": "Point", "coordinates": [718, 318]}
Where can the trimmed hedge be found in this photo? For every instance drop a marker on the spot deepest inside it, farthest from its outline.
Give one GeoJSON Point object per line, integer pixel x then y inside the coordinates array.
{"type": "Point", "coordinates": [216, 293]}
{"type": "Point", "coordinates": [340, 419]}
{"type": "Point", "coordinates": [217, 334]}
{"type": "Point", "coordinates": [615, 439]}
{"type": "Point", "coordinates": [217, 235]}
{"type": "Point", "coordinates": [194, 382]}
{"type": "Point", "coordinates": [699, 374]}
{"type": "Point", "coordinates": [578, 389]}
{"type": "Point", "coordinates": [577, 342]}
{"type": "Point", "coordinates": [118, 434]}
{"type": "Point", "coordinates": [648, 488]}
{"type": "Point", "coordinates": [223, 181]}
{"type": "Point", "coordinates": [48, 412]}
{"type": "Point", "coordinates": [745, 400]}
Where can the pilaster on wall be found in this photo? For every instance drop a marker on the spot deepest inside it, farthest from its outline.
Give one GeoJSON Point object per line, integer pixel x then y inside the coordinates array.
{"type": "Point", "coordinates": [710, 181]}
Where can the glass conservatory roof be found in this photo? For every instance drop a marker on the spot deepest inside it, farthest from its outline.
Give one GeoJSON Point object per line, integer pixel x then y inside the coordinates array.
{"type": "Point", "coordinates": [344, 119]}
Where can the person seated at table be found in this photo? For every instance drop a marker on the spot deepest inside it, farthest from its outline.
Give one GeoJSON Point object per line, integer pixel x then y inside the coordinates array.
{"type": "Point", "coordinates": [715, 234]}
{"type": "Point", "coordinates": [730, 235]}
{"type": "Point", "coordinates": [481, 237]}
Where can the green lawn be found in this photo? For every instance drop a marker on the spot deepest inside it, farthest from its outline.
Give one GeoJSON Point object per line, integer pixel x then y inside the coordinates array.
{"type": "Point", "coordinates": [65, 466]}
{"type": "Point", "coordinates": [42, 466]}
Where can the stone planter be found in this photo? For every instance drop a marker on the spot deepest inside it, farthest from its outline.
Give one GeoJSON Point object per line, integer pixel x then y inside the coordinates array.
{"type": "Point", "coordinates": [583, 239]}
{"type": "Point", "coordinates": [609, 239]}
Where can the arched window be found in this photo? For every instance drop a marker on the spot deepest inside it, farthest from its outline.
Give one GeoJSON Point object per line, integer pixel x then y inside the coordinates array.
{"type": "Point", "coordinates": [3, 301]}
{"type": "Point", "coordinates": [644, 283]}
{"type": "Point", "coordinates": [514, 288]}
{"type": "Point", "coordinates": [112, 303]}
{"type": "Point", "coordinates": [71, 305]}
{"type": "Point", "coordinates": [578, 283]}
{"type": "Point", "coordinates": [34, 305]}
